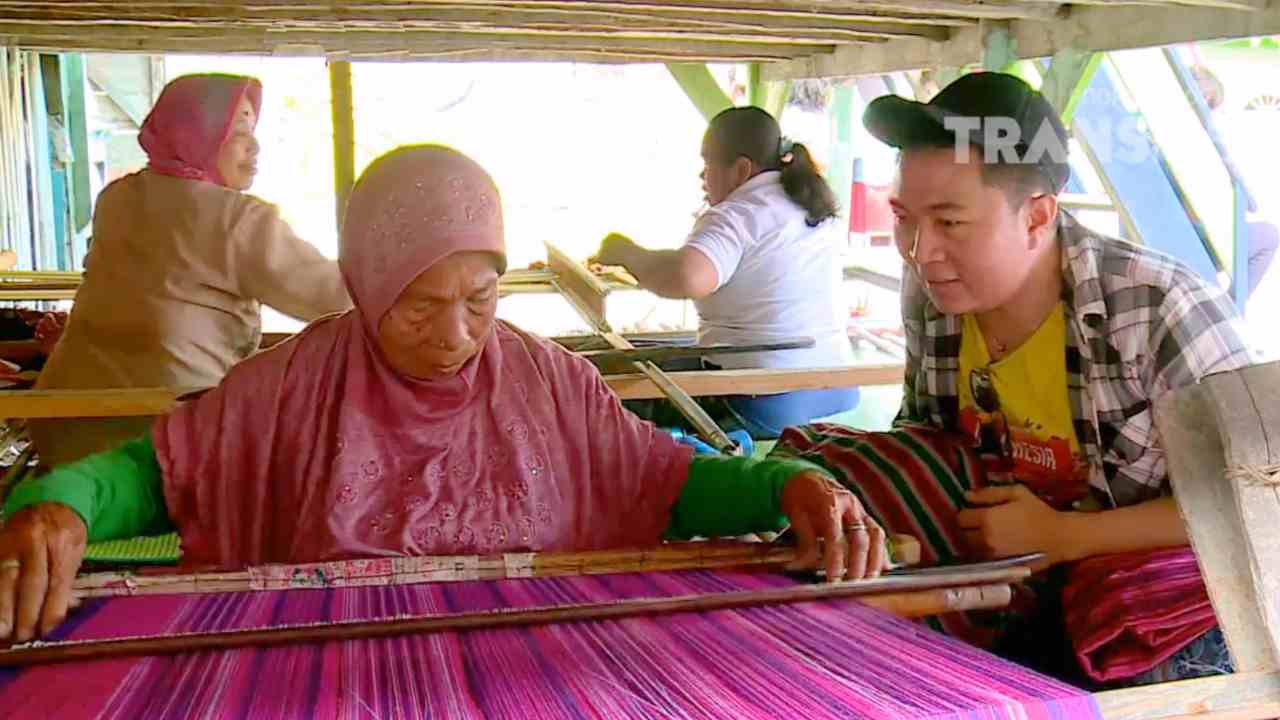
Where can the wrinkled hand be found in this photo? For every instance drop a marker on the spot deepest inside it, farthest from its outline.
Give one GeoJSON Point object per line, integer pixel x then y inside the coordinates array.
{"type": "Point", "coordinates": [853, 545]}
{"type": "Point", "coordinates": [41, 547]}
{"type": "Point", "coordinates": [615, 249]}
{"type": "Point", "coordinates": [49, 328]}
{"type": "Point", "coordinates": [1012, 521]}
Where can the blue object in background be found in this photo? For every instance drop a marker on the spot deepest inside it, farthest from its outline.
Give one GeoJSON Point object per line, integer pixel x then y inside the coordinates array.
{"type": "Point", "coordinates": [739, 436]}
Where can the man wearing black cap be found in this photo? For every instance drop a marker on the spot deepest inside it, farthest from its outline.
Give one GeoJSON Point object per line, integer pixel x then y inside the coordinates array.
{"type": "Point", "coordinates": [1044, 341]}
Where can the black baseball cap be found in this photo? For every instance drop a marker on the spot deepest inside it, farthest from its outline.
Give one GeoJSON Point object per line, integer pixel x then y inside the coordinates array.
{"type": "Point", "coordinates": [975, 99]}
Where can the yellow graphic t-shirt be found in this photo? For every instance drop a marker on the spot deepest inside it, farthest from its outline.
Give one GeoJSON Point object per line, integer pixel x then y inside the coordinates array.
{"type": "Point", "coordinates": [1018, 412]}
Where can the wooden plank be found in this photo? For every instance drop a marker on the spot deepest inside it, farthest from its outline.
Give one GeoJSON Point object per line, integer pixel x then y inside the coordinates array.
{"type": "Point", "coordinates": [1247, 407]}
{"type": "Point", "coordinates": [866, 10]}
{"type": "Point", "coordinates": [405, 43]}
{"type": "Point", "coordinates": [1243, 696]}
{"type": "Point", "coordinates": [535, 20]}
{"type": "Point", "coordinates": [121, 402]}
{"type": "Point", "coordinates": [1196, 466]}
{"type": "Point", "coordinates": [1091, 27]}
{"type": "Point", "coordinates": [708, 383]}
{"type": "Point", "coordinates": [134, 402]}
{"type": "Point", "coordinates": [344, 135]}
{"type": "Point", "coordinates": [580, 287]}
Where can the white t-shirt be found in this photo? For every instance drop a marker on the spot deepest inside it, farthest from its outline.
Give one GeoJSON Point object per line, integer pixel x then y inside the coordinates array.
{"type": "Point", "coordinates": [778, 278]}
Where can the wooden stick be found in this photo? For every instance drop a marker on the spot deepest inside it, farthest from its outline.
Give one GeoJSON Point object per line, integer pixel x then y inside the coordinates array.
{"type": "Point", "coordinates": [486, 620]}
{"type": "Point", "coordinates": [620, 360]}
{"type": "Point", "coordinates": [904, 549]}
{"type": "Point", "coordinates": [134, 402]}
{"type": "Point", "coordinates": [924, 603]}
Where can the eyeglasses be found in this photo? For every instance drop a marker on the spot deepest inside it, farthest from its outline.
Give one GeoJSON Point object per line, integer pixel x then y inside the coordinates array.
{"type": "Point", "coordinates": [983, 388]}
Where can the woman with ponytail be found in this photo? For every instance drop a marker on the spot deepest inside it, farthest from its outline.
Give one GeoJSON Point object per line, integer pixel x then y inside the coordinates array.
{"type": "Point", "coordinates": [761, 265]}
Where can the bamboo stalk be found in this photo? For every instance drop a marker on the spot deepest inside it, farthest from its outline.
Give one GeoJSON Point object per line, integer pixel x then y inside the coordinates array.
{"type": "Point", "coordinates": [488, 620]}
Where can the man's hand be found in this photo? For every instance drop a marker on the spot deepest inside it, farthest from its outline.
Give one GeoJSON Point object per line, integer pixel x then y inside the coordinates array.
{"type": "Point", "coordinates": [41, 547]}
{"type": "Point", "coordinates": [1012, 520]}
{"type": "Point", "coordinates": [853, 545]}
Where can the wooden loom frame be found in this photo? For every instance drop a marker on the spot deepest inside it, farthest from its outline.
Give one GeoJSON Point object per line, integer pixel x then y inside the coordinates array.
{"type": "Point", "coordinates": [842, 38]}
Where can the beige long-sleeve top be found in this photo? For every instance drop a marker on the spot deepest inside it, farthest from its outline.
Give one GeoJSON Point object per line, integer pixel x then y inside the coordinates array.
{"type": "Point", "coordinates": [172, 295]}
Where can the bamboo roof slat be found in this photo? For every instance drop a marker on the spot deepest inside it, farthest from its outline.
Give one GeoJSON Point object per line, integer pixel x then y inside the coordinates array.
{"type": "Point", "coordinates": [800, 38]}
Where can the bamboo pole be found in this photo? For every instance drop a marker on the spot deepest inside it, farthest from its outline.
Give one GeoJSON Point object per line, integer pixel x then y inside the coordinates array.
{"type": "Point", "coordinates": [344, 135]}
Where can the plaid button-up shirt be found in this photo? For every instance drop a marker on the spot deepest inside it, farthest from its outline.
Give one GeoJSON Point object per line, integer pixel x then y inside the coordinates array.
{"type": "Point", "coordinates": [1139, 324]}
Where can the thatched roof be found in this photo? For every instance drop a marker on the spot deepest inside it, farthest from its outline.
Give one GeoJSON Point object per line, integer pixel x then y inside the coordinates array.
{"type": "Point", "coordinates": [818, 37]}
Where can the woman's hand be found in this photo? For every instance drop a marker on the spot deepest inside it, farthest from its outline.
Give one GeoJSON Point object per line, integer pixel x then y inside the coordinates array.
{"type": "Point", "coordinates": [41, 547]}
{"type": "Point", "coordinates": [853, 545]}
{"type": "Point", "coordinates": [1012, 520]}
{"type": "Point", "coordinates": [616, 249]}
{"type": "Point", "coordinates": [49, 329]}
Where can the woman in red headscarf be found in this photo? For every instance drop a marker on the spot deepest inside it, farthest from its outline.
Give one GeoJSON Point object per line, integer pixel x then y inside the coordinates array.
{"type": "Point", "coordinates": [415, 424]}
{"type": "Point", "coordinates": [181, 262]}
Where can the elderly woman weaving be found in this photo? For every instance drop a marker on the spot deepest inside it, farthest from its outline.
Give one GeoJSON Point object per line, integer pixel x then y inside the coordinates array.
{"type": "Point", "coordinates": [414, 424]}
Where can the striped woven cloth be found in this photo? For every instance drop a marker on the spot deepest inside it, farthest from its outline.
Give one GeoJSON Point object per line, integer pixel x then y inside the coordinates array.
{"type": "Point", "coordinates": [1125, 614]}
{"type": "Point", "coordinates": [812, 660]}
{"type": "Point", "coordinates": [912, 480]}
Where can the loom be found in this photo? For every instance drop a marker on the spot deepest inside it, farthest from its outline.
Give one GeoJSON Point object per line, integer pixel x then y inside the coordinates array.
{"type": "Point", "coordinates": [607, 634]}
{"type": "Point", "coordinates": [1224, 466]}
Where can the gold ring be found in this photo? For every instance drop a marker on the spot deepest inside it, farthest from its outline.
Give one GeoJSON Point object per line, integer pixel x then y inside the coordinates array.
{"type": "Point", "coordinates": [7, 563]}
{"type": "Point", "coordinates": [856, 527]}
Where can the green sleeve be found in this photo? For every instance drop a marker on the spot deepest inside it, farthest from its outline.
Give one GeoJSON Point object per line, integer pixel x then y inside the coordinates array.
{"type": "Point", "coordinates": [119, 493]}
{"type": "Point", "coordinates": [726, 496]}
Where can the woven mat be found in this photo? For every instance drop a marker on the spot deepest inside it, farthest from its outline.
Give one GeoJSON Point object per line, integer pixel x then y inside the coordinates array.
{"type": "Point", "coordinates": [155, 549]}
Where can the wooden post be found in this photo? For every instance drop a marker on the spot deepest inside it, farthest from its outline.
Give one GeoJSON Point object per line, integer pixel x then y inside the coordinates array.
{"type": "Point", "coordinates": [344, 135]}
{"type": "Point", "coordinates": [699, 85]}
{"type": "Point", "coordinates": [769, 96]}
{"type": "Point", "coordinates": [1066, 79]}
{"type": "Point", "coordinates": [42, 252]}
{"type": "Point", "coordinates": [999, 47]}
{"type": "Point", "coordinates": [76, 119]}
{"type": "Point", "coordinates": [1222, 437]}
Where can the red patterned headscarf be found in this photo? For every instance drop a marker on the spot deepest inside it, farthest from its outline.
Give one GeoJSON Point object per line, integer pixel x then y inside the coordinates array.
{"type": "Point", "coordinates": [185, 130]}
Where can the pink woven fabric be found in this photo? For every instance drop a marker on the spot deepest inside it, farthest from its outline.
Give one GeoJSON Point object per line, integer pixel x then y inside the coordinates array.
{"type": "Point", "coordinates": [1128, 613]}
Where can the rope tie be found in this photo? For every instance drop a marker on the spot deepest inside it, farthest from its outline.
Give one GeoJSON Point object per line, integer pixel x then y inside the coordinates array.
{"type": "Point", "coordinates": [1255, 475]}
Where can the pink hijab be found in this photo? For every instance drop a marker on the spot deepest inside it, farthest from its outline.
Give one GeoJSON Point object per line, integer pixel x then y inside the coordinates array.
{"type": "Point", "coordinates": [185, 130]}
{"type": "Point", "coordinates": [317, 449]}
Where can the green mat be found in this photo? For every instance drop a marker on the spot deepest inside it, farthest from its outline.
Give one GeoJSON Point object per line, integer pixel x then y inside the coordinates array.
{"type": "Point", "coordinates": [155, 549]}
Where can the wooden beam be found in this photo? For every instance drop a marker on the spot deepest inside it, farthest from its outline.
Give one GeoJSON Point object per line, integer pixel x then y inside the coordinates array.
{"type": "Point", "coordinates": [1089, 27]}
{"type": "Point", "coordinates": [1214, 433]}
{"type": "Point", "coordinates": [1069, 74]}
{"type": "Point", "coordinates": [538, 21]}
{"type": "Point", "coordinates": [701, 88]}
{"type": "Point", "coordinates": [769, 96]}
{"type": "Point", "coordinates": [1243, 696]}
{"type": "Point", "coordinates": [344, 136]}
{"type": "Point", "coordinates": [157, 401]}
{"type": "Point", "coordinates": [867, 9]}
{"type": "Point", "coordinates": [406, 44]}
{"type": "Point", "coordinates": [707, 383]}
